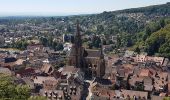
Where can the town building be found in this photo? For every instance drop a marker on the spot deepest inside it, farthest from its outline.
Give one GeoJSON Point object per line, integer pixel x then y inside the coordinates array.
{"type": "Point", "coordinates": [90, 61]}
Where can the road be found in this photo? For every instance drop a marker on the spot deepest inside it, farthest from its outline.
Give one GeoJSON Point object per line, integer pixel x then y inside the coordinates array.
{"type": "Point", "coordinates": [92, 84]}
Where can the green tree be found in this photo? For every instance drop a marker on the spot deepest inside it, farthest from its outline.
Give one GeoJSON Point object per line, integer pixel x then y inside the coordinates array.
{"type": "Point", "coordinates": [100, 29]}
{"type": "Point", "coordinates": [147, 33]}
{"type": "Point", "coordinates": [90, 45]}
{"type": "Point", "coordinates": [97, 42]}
{"type": "Point", "coordinates": [44, 41]}
{"type": "Point", "coordinates": [37, 98]}
{"type": "Point", "coordinates": [54, 45]}
{"type": "Point", "coordinates": [119, 41]}
{"type": "Point", "coordinates": [11, 91]}
{"type": "Point", "coordinates": [50, 41]}
{"type": "Point", "coordinates": [59, 47]}
{"type": "Point", "coordinates": [137, 49]}
{"type": "Point", "coordinates": [162, 23]}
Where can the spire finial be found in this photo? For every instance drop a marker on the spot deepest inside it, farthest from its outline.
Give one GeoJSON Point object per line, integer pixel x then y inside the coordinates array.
{"type": "Point", "coordinates": [102, 49]}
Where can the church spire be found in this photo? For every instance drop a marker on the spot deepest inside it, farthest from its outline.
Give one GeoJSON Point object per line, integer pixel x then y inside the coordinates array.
{"type": "Point", "coordinates": [78, 41]}
{"type": "Point", "coordinates": [78, 47]}
{"type": "Point", "coordinates": [102, 55]}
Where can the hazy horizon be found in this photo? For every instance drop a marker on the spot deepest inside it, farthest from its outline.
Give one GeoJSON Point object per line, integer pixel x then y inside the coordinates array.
{"type": "Point", "coordinates": [65, 8]}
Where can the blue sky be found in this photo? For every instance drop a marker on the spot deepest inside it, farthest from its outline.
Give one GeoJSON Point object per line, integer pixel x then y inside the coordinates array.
{"type": "Point", "coordinates": [64, 7]}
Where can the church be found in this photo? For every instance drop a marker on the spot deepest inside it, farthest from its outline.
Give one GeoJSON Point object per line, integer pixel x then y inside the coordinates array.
{"type": "Point", "coordinates": [90, 61]}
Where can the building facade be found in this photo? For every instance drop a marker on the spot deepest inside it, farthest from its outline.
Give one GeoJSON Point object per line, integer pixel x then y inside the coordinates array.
{"type": "Point", "coordinates": [88, 60]}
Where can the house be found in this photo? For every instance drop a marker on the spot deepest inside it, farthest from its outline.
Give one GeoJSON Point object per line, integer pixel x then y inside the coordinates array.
{"type": "Point", "coordinates": [153, 97]}
{"type": "Point", "coordinates": [102, 94]}
{"type": "Point", "coordinates": [52, 94]}
{"type": "Point", "coordinates": [128, 54]}
{"type": "Point", "coordinates": [39, 80]}
{"type": "Point", "coordinates": [67, 46]}
{"type": "Point", "coordinates": [27, 72]}
{"type": "Point", "coordinates": [127, 94]}
{"type": "Point", "coordinates": [35, 47]}
{"type": "Point", "coordinates": [50, 84]}
{"type": "Point", "coordinates": [107, 48]}
{"type": "Point", "coordinates": [165, 63]}
{"type": "Point", "coordinates": [144, 58]}
{"type": "Point", "coordinates": [47, 68]}
{"type": "Point", "coordinates": [71, 81]}
{"type": "Point", "coordinates": [148, 84]}
{"type": "Point", "coordinates": [157, 60]}
{"type": "Point", "coordinates": [12, 63]}
{"type": "Point", "coordinates": [121, 73]}
{"type": "Point", "coordinates": [160, 81]}
{"type": "Point", "coordinates": [69, 71]}
{"type": "Point", "coordinates": [114, 39]}
{"type": "Point", "coordinates": [140, 58]}
{"type": "Point", "coordinates": [135, 80]}
{"type": "Point", "coordinates": [168, 89]}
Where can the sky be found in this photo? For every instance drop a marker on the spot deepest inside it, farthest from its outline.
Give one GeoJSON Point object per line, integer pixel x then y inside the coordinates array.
{"type": "Point", "coordinates": [69, 7]}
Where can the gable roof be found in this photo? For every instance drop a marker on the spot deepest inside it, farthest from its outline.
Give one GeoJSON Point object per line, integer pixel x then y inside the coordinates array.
{"type": "Point", "coordinates": [132, 93]}
{"type": "Point", "coordinates": [47, 68]}
{"type": "Point", "coordinates": [42, 79]}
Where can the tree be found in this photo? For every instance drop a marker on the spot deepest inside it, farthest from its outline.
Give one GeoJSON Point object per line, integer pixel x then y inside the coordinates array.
{"type": "Point", "coordinates": [37, 98]}
{"type": "Point", "coordinates": [97, 42]}
{"type": "Point", "coordinates": [59, 47]}
{"type": "Point", "coordinates": [166, 98]}
{"type": "Point", "coordinates": [118, 41]}
{"type": "Point", "coordinates": [147, 33]}
{"type": "Point", "coordinates": [20, 44]}
{"type": "Point", "coordinates": [100, 29]}
{"type": "Point", "coordinates": [44, 41]}
{"type": "Point", "coordinates": [162, 23]}
{"type": "Point", "coordinates": [90, 45]}
{"type": "Point", "coordinates": [11, 91]}
{"type": "Point", "coordinates": [50, 41]}
{"type": "Point", "coordinates": [137, 50]}
{"type": "Point", "coordinates": [22, 92]}
{"type": "Point", "coordinates": [54, 45]}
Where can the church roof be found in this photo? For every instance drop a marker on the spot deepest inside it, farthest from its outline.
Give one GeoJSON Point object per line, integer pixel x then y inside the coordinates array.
{"type": "Point", "coordinates": [89, 52]}
{"type": "Point", "coordinates": [93, 53]}
{"type": "Point", "coordinates": [73, 51]}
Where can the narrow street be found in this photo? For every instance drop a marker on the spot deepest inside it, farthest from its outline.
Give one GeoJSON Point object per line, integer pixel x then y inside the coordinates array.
{"type": "Point", "coordinates": [91, 82]}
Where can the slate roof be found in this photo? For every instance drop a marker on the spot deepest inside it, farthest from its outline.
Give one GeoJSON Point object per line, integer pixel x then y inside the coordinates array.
{"type": "Point", "coordinates": [73, 51]}
{"type": "Point", "coordinates": [87, 52]}
{"type": "Point", "coordinates": [93, 53]}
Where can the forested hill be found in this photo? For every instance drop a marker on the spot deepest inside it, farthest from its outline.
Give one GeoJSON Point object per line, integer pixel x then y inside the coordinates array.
{"type": "Point", "coordinates": [155, 9]}
{"type": "Point", "coordinates": [155, 42]}
{"type": "Point", "coordinates": [124, 21]}
{"type": "Point", "coordinates": [128, 21]}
